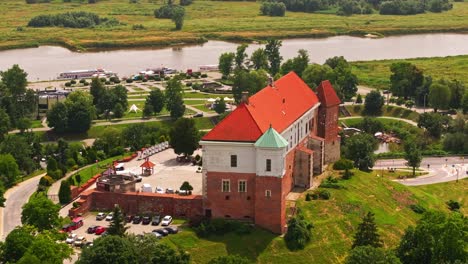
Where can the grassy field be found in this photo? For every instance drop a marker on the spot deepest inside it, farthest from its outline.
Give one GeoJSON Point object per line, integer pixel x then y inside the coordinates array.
{"type": "Point", "coordinates": [94, 169]}
{"type": "Point", "coordinates": [377, 73]}
{"type": "Point", "coordinates": [204, 20]}
{"type": "Point", "coordinates": [335, 222]}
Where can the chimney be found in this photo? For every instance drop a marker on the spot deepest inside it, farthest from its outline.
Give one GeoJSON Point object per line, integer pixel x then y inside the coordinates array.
{"type": "Point", "coordinates": [245, 97]}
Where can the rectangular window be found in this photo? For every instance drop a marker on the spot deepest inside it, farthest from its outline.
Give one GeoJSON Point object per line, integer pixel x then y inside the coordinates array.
{"type": "Point", "coordinates": [226, 186]}
{"type": "Point", "coordinates": [233, 161]}
{"type": "Point", "coordinates": [267, 193]}
{"type": "Point", "coordinates": [242, 186]}
{"type": "Point", "coordinates": [268, 165]}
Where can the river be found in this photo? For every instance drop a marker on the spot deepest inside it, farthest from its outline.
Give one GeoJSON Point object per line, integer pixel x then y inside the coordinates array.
{"type": "Point", "coordinates": [45, 62]}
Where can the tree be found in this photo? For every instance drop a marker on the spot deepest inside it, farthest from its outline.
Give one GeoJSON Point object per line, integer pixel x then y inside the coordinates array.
{"type": "Point", "coordinates": [96, 89]}
{"type": "Point", "coordinates": [165, 254]}
{"type": "Point", "coordinates": [118, 110]}
{"type": "Point", "coordinates": [259, 59]}
{"type": "Point", "coordinates": [57, 117]}
{"type": "Point", "coordinates": [359, 99]}
{"type": "Point", "coordinates": [220, 106]}
{"type": "Point", "coordinates": [20, 149]}
{"type": "Point", "coordinates": [157, 100]}
{"type": "Point", "coordinates": [299, 233]}
{"type": "Point", "coordinates": [272, 50]}
{"type": "Point", "coordinates": [434, 123]}
{"type": "Point", "coordinates": [173, 90]}
{"type": "Point", "coordinates": [147, 109]}
{"type": "Point", "coordinates": [15, 80]}
{"type": "Point", "coordinates": [437, 238]}
{"type": "Point", "coordinates": [17, 243]}
{"type": "Point", "coordinates": [120, 95]}
{"type": "Point", "coordinates": [9, 171]}
{"type": "Point", "coordinates": [240, 56]}
{"type": "Point", "coordinates": [297, 64]}
{"type": "Point", "coordinates": [178, 107]}
{"type": "Point", "coordinates": [314, 74]}
{"type": "Point", "coordinates": [373, 103]}
{"type": "Point", "coordinates": [186, 187]}
{"type": "Point", "coordinates": [439, 96]}
{"type": "Point", "coordinates": [345, 80]}
{"type": "Point", "coordinates": [2, 198]}
{"type": "Point", "coordinates": [41, 213]}
{"type": "Point", "coordinates": [23, 124]}
{"type": "Point", "coordinates": [464, 103]}
{"type": "Point", "coordinates": [64, 193]}
{"type": "Point", "coordinates": [457, 89]}
{"type": "Point", "coordinates": [225, 63]}
{"type": "Point", "coordinates": [371, 255]}
{"type": "Point", "coordinates": [184, 137]}
{"type": "Point", "coordinates": [45, 248]}
{"type": "Point", "coordinates": [78, 179]}
{"type": "Point", "coordinates": [79, 117]}
{"type": "Point", "coordinates": [229, 259]}
{"type": "Point", "coordinates": [5, 124]}
{"type": "Point", "coordinates": [367, 233]}
{"type": "Point", "coordinates": [250, 82]}
{"type": "Point", "coordinates": [405, 79]}
{"type": "Point", "coordinates": [412, 155]}
{"type": "Point", "coordinates": [117, 225]}
{"type": "Point", "coordinates": [360, 149]}
{"type": "Point", "coordinates": [178, 16]}
{"type": "Point", "coordinates": [109, 249]}
{"type": "Point", "coordinates": [371, 125]}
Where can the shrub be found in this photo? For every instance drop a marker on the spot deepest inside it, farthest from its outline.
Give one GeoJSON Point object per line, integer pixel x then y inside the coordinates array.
{"type": "Point", "coordinates": [64, 192]}
{"type": "Point", "coordinates": [343, 164]}
{"type": "Point", "coordinates": [82, 80]}
{"type": "Point", "coordinates": [71, 20]}
{"type": "Point", "coordinates": [138, 27]}
{"type": "Point", "coordinates": [86, 83]}
{"type": "Point", "coordinates": [273, 9]}
{"type": "Point", "coordinates": [144, 80]}
{"type": "Point", "coordinates": [167, 78]}
{"type": "Point", "coordinates": [453, 205]}
{"type": "Point", "coordinates": [188, 84]}
{"type": "Point", "coordinates": [330, 182]}
{"type": "Point", "coordinates": [129, 80]}
{"type": "Point", "coordinates": [308, 197]}
{"type": "Point", "coordinates": [204, 75]}
{"type": "Point", "coordinates": [417, 208]}
{"type": "Point", "coordinates": [108, 83]}
{"type": "Point", "coordinates": [157, 78]}
{"type": "Point", "coordinates": [67, 84]}
{"type": "Point", "coordinates": [324, 194]}
{"type": "Point", "coordinates": [220, 227]}
{"type": "Point", "coordinates": [299, 233]}
{"type": "Point", "coordinates": [185, 2]}
{"type": "Point", "coordinates": [347, 174]}
{"type": "Point", "coordinates": [46, 181]}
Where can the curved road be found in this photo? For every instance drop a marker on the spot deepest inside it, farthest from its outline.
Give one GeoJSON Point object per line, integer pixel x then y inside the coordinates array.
{"type": "Point", "coordinates": [10, 216]}
{"type": "Point", "coordinates": [441, 169]}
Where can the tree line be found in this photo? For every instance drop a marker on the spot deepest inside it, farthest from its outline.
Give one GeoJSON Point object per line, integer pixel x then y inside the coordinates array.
{"type": "Point", "coordinates": [252, 74]}
{"type": "Point", "coordinates": [72, 20]}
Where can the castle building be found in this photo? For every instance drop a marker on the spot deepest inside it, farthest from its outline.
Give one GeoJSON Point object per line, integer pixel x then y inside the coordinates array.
{"type": "Point", "coordinates": [273, 141]}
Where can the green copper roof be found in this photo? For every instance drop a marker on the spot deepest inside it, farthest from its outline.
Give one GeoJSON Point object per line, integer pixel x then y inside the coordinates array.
{"type": "Point", "coordinates": [271, 139]}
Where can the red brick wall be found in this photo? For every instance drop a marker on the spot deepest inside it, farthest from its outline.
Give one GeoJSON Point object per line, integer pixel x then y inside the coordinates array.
{"type": "Point", "coordinates": [239, 204]}
{"type": "Point", "coordinates": [75, 190]}
{"type": "Point", "coordinates": [328, 122]}
{"type": "Point", "coordinates": [140, 203]}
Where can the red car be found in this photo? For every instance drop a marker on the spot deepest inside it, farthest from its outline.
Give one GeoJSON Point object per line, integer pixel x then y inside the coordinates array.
{"type": "Point", "coordinates": [75, 224]}
{"type": "Point", "coordinates": [100, 230]}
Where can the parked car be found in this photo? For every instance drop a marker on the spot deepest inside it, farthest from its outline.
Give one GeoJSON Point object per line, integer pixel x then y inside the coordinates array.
{"type": "Point", "coordinates": [100, 216]}
{"type": "Point", "coordinates": [79, 241]}
{"type": "Point", "coordinates": [167, 220]}
{"type": "Point", "coordinates": [137, 219]}
{"type": "Point", "coordinates": [70, 239]}
{"type": "Point", "coordinates": [169, 190]}
{"type": "Point", "coordinates": [161, 231]}
{"type": "Point", "coordinates": [110, 216]}
{"type": "Point", "coordinates": [76, 223]}
{"type": "Point", "coordinates": [157, 234]}
{"type": "Point", "coordinates": [200, 114]}
{"type": "Point", "coordinates": [172, 229]}
{"type": "Point", "coordinates": [159, 190]}
{"type": "Point", "coordinates": [156, 220]}
{"type": "Point", "coordinates": [92, 229]}
{"type": "Point", "coordinates": [100, 230]}
{"type": "Point", "coordinates": [88, 244]}
{"type": "Point", "coordinates": [128, 218]}
{"type": "Point", "coordinates": [146, 220]}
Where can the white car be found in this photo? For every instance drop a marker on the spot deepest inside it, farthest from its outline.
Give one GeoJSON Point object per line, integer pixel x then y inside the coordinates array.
{"type": "Point", "coordinates": [71, 238]}
{"type": "Point", "coordinates": [157, 234]}
{"type": "Point", "coordinates": [110, 216]}
{"type": "Point", "coordinates": [167, 220]}
{"type": "Point", "coordinates": [159, 190]}
{"type": "Point", "coordinates": [79, 241]}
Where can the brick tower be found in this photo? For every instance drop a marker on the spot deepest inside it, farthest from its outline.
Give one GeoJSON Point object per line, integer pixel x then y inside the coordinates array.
{"type": "Point", "coordinates": [327, 126]}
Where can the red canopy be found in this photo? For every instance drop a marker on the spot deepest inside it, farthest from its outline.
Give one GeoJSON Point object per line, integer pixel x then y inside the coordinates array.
{"type": "Point", "coordinates": [147, 164]}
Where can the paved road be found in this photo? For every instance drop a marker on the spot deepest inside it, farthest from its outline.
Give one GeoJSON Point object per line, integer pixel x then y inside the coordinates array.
{"type": "Point", "coordinates": [10, 216]}
{"type": "Point", "coordinates": [443, 169]}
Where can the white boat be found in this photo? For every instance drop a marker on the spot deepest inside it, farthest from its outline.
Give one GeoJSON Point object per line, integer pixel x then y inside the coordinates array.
{"type": "Point", "coordinates": [78, 74]}
{"type": "Point", "coordinates": [213, 67]}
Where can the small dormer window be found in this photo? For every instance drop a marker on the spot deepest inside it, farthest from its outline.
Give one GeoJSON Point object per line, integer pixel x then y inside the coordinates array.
{"type": "Point", "coordinates": [268, 165]}
{"type": "Point", "coordinates": [233, 161]}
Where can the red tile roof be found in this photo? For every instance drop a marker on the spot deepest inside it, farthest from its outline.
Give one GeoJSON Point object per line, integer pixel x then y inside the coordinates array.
{"type": "Point", "coordinates": [327, 94]}
{"type": "Point", "coordinates": [147, 164]}
{"type": "Point", "coordinates": [279, 106]}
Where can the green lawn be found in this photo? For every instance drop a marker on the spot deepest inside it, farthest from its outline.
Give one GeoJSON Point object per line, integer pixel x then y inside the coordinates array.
{"type": "Point", "coordinates": [204, 20]}
{"type": "Point", "coordinates": [377, 73]}
{"type": "Point", "coordinates": [203, 108]}
{"type": "Point", "coordinates": [194, 102]}
{"type": "Point", "coordinates": [335, 222]}
{"type": "Point", "coordinates": [198, 95]}
{"type": "Point", "coordinates": [388, 110]}
{"type": "Point", "coordinates": [94, 169]}
{"type": "Point", "coordinates": [36, 123]}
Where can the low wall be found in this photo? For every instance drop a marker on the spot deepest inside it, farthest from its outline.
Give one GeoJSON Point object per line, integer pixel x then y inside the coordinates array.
{"type": "Point", "coordinates": [140, 203]}
{"type": "Point", "coordinates": [75, 190]}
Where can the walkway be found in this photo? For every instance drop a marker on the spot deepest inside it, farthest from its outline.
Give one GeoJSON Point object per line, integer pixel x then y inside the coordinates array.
{"type": "Point", "coordinates": [16, 197]}
{"type": "Point", "coordinates": [441, 169]}
{"type": "Point", "coordinates": [383, 117]}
